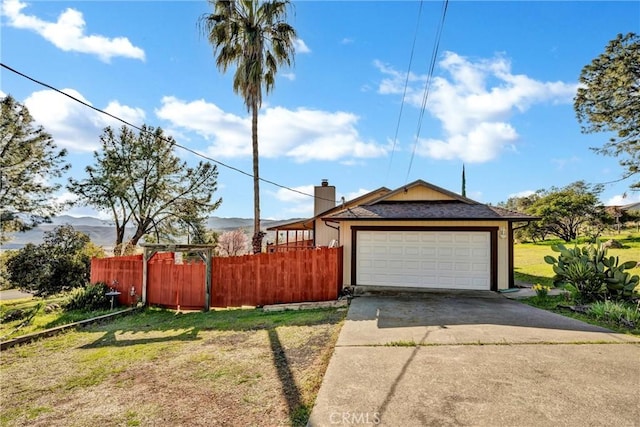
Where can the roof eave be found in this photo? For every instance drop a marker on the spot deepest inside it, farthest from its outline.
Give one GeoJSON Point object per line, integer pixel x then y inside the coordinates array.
{"type": "Point", "coordinates": [509, 219]}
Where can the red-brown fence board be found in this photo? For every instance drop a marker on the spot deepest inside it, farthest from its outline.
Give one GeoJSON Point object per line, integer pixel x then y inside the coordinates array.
{"type": "Point", "coordinates": [281, 277]}
{"type": "Point", "coordinates": [120, 273]}
{"type": "Point", "coordinates": [176, 285]}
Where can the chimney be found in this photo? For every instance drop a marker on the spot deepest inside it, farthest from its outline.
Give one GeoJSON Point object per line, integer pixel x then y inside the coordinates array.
{"type": "Point", "coordinates": [325, 197]}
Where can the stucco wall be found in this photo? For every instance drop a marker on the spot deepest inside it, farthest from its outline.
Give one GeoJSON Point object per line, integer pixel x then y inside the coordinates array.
{"type": "Point", "coordinates": [502, 243]}
{"type": "Point", "coordinates": [325, 234]}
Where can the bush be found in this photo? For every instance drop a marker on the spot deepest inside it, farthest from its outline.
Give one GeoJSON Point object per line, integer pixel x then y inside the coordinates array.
{"type": "Point", "coordinates": [5, 256]}
{"type": "Point", "coordinates": [61, 263]}
{"type": "Point", "coordinates": [91, 298]}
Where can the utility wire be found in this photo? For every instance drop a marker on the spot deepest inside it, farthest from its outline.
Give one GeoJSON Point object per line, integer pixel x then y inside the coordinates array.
{"type": "Point", "coordinates": [190, 150]}
{"type": "Point", "coordinates": [404, 94]}
{"type": "Point", "coordinates": [427, 87]}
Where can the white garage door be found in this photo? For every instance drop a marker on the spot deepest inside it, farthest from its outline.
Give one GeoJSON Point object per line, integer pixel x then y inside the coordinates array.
{"type": "Point", "coordinates": [425, 259]}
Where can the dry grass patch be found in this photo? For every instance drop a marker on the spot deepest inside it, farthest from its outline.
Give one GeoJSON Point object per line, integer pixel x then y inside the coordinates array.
{"type": "Point", "coordinates": [240, 367]}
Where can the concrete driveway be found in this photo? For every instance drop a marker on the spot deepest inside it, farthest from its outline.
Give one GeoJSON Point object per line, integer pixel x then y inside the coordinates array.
{"type": "Point", "coordinates": [465, 358]}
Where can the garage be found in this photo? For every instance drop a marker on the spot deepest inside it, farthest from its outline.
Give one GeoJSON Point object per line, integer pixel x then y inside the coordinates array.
{"type": "Point", "coordinates": [424, 236]}
{"type": "Point", "coordinates": [424, 259]}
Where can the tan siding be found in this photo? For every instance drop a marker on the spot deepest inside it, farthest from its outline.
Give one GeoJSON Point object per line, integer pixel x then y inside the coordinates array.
{"type": "Point", "coordinates": [366, 199]}
{"type": "Point", "coordinates": [325, 234]}
{"type": "Point", "coordinates": [503, 244]}
{"type": "Point", "coordinates": [419, 193]}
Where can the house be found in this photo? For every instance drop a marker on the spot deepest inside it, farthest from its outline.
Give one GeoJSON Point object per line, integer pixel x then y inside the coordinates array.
{"type": "Point", "coordinates": [421, 236]}
{"type": "Point", "coordinates": [314, 232]}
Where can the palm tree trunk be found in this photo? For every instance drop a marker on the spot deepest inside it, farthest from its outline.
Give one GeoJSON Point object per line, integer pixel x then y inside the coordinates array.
{"type": "Point", "coordinates": [257, 233]}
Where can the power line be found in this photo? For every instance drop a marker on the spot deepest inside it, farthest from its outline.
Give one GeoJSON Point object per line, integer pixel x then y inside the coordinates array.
{"type": "Point", "coordinates": [190, 150]}
{"type": "Point", "coordinates": [427, 87]}
{"type": "Point", "coordinates": [404, 94]}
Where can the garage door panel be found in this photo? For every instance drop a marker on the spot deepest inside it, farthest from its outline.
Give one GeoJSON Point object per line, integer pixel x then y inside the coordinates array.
{"type": "Point", "coordinates": [430, 259]}
{"type": "Point", "coordinates": [396, 250]}
{"type": "Point", "coordinates": [428, 238]}
{"type": "Point", "coordinates": [462, 238]}
{"type": "Point", "coordinates": [411, 252]}
{"type": "Point", "coordinates": [444, 237]}
{"type": "Point", "coordinates": [479, 238]}
{"type": "Point", "coordinates": [380, 237]}
{"type": "Point", "coordinates": [480, 253]}
{"type": "Point", "coordinates": [462, 252]}
{"type": "Point", "coordinates": [429, 252]}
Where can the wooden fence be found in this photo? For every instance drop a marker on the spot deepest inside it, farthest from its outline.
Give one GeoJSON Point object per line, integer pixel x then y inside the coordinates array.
{"type": "Point", "coordinates": [256, 280]}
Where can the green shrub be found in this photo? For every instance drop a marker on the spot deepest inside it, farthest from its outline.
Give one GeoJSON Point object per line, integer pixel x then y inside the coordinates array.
{"type": "Point", "coordinates": [5, 256]}
{"type": "Point", "coordinates": [62, 262]}
{"type": "Point", "coordinates": [90, 298]}
{"type": "Point", "coordinates": [621, 313]}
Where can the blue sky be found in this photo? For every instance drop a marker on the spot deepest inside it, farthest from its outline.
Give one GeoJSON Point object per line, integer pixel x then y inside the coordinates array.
{"type": "Point", "coordinates": [500, 100]}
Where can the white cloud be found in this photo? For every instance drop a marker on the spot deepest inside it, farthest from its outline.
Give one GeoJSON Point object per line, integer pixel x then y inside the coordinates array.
{"type": "Point", "coordinates": [347, 40]}
{"type": "Point", "coordinates": [73, 125]}
{"type": "Point", "coordinates": [524, 193]}
{"type": "Point", "coordinates": [479, 144]}
{"type": "Point", "coordinates": [301, 46]}
{"type": "Point", "coordinates": [132, 115]}
{"type": "Point", "coordinates": [2, 94]}
{"type": "Point", "coordinates": [68, 33]}
{"type": "Point", "coordinates": [297, 204]}
{"type": "Point", "coordinates": [301, 205]}
{"type": "Point", "coordinates": [77, 210]}
{"type": "Point", "coordinates": [562, 163]}
{"type": "Point", "coordinates": [353, 194]}
{"type": "Point", "coordinates": [474, 102]}
{"type": "Point", "coordinates": [622, 199]}
{"type": "Point", "coordinates": [301, 134]}
{"type": "Point", "coordinates": [289, 196]}
{"type": "Point", "coordinates": [289, 76]}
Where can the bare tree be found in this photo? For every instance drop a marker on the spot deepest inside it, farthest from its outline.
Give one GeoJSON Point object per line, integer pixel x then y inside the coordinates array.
{"type": "Point", "coordinates": [233, 243]}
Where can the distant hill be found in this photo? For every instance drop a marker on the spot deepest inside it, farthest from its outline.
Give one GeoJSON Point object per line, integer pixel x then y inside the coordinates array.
{"type": "Point", "coordinates": [102, 232]}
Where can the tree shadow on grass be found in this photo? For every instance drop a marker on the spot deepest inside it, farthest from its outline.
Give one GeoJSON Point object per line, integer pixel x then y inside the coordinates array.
{"type": "Point", "coordinates": [298, 411]}
{"type": "Point", "coordinates": [109, 339]}
{"type": "Point", "coordinates": [532, 279]}
{"type": "Point", "coordinates": [177, 326]}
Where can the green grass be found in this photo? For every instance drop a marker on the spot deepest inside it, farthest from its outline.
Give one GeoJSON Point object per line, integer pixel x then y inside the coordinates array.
{"type": "Point", "coordinates": [552, 303]}
{"type": "Point", "coordinates": [159, 367]}
{"type": "Point", "coordinates": [529, 265]}
{"type": "Point", "coordinates": [41, 320]}
{"type": "Point", "coordinates": [408, 343]}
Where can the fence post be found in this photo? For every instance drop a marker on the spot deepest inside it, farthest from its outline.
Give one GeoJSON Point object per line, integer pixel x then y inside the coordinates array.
{"type": "Point", "coordinates": [207, 278]}
{"type": "Point", "coordinates": [148, 253]}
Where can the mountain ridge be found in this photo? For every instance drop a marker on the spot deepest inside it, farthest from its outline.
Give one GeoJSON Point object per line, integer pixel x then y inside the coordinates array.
{"type": "Point", "coordinates": [102, 232]}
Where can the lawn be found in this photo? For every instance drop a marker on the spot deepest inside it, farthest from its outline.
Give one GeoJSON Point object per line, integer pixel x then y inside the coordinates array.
{"type": "Point", "coordinates": [557, 304]}
{"type": "Point", "coordinates": [159, 367]}
{"type": "Point", "coordinates": [529, 265]}
{"type": "Point", "coordinates": [42, 319]}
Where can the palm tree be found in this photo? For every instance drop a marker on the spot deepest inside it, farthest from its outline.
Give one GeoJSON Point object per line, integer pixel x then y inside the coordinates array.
{"type": "Point", "coordinates": [255, 37]}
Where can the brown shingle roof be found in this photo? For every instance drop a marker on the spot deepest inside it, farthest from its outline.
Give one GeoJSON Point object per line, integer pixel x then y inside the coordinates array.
{"type": "Point", "coordinates": [428, 210]}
